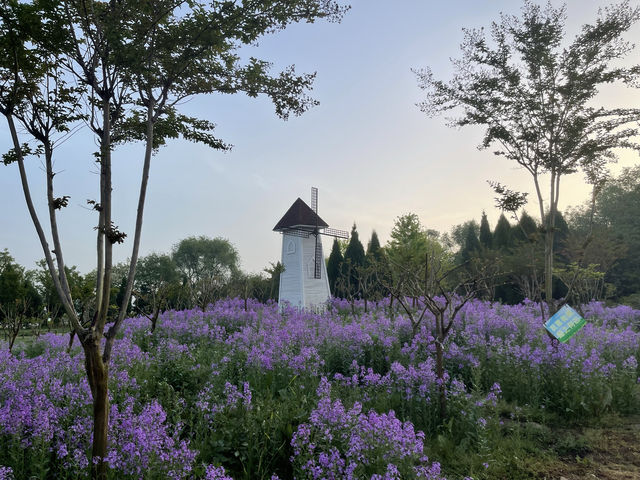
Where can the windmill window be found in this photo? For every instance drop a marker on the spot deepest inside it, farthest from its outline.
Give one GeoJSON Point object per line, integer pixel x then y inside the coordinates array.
{"type": "Point", "coordinates": [291, 247]}
{"type": "Point", "coordinates": [311, 268]}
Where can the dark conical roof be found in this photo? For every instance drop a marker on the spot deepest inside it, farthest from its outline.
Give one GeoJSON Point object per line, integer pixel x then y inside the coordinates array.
{"type": "Point", "coordinates": [300, 215]}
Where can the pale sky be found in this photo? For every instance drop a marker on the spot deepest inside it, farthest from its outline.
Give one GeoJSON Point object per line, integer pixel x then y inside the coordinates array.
{"type": "Point", "coordinates": [370, 151]}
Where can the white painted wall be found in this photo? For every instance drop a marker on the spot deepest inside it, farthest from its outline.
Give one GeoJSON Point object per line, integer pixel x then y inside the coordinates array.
{"type": "Point", "coordinates": [291, 285]}
{"type": "Point", "coordinates": [316, 290]}
{"type": "Point", "coordinates": [297, 283]}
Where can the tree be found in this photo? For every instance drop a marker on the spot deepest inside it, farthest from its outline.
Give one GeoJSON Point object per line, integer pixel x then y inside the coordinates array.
{"type": "Point", "coordinates": [376, 260]}
{"type": "Point", "coordinates": [274, 270]}
{"type": "Point", "coordinates": [471, 244]}
{"type": "Point", "coordinates": [485, 232]}
{"type": "Point", "coordinates": [354, 259]}
{"type": "Point", "coordinates": [19, 299]}
{"type": "Point", "coordinates": [133, 64]}
{"type": "Point", "coordinates": [535, 98]}
{"type": "Point", "coordinates": [206, 265]}
{"type": "Point", "coordinates": [616, 233]}
{"type": "Point", "coordinates": [157, 278]}
{"type": "Point", "coordinates": [502, 235]}
{"type": "Point", "coordinates": [526, 229]}
{"type": "Point", "coordinates": [410, 241]}
{"type": "Point", "coordinates": [441, 289]}
{"type": "Point", "coordinates": [334, 267]}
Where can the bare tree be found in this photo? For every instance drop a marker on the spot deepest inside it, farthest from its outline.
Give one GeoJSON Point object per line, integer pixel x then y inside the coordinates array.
{"type": "Point", "coordinates": [441, 290]}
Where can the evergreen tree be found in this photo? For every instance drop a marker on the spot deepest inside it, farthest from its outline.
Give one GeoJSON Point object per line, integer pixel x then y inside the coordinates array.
{"type": "Point", "coordinates": [376, 259]}
{"type": "Point", "coordinates": [354, 258]}
{"type": "Point", "coordinates": [374, 250]}
{"type": "Point", "coordinates": [471, 246]}
{"type": "Point", "coordinates": [502, 234]}
{"type": "Point", "coordinates": [486, 239]}
{"type": "Point", "coordinates": [526, 228]}
{"type": "Point", "coordinates": [334, 266]}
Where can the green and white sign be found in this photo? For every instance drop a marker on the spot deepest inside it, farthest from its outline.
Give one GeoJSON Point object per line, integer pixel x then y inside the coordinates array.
{"type": "Point", "coordinates": [565, 323]}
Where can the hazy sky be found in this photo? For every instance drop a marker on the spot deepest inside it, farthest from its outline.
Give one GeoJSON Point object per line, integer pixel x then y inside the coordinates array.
{"type": "Point", "coordinates": [367, 147]}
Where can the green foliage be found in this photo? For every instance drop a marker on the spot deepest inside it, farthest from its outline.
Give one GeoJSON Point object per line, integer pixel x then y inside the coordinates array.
{"type": "Point", "coordinates": [471, 247]}
{"type": "Point", "coordinates": [485, 237]}
{"type": "Point", "coordinates": [410, 242]}
{"type": "Point", "coordinates": [334, 267]}
{"type": "Point", "coordinates": [526, 229]}
{"type": "Point", "coordinates": [354, 259]}
{"type": "Point", "coordinates": [206, 265]}
{"type": "Point", "coordinates": [502, 236]}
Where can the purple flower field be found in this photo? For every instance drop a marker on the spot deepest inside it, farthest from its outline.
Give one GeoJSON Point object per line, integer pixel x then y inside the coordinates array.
{"type": "Point", "coordinates": [230, 393]}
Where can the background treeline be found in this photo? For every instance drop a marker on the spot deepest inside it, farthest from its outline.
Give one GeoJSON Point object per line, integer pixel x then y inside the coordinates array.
{"type": "Point", "coordinates": [197, 271]}
{"type": "Point", "coordinates": [596, 250]}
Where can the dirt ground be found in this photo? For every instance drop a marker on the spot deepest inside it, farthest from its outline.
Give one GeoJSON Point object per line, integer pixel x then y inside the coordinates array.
{"type": "Point", "coordinates": [613, 454]}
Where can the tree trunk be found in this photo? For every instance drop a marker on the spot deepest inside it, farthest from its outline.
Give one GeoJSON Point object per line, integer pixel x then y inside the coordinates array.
{"type": "Point", "coordinates": [548, 269]}
{"type": "Point", "coordinates": [442, 396]}
{"type": "Point", "coordinates": [154, 319]}
{"type": "Point", "coordinates": [12, 340]}
{"type": "Point", "coordinates": [98, 376]}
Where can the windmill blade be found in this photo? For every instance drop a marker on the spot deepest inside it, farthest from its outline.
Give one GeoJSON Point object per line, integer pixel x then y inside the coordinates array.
{"type": "Point", "coordinates": [314, 199]}
{"type": "Point", "coordinates": [332, 232]}
{"type": "Point", "coordinates": [318, 259]}
{"type": "Point", "coordinates": [296, 232]}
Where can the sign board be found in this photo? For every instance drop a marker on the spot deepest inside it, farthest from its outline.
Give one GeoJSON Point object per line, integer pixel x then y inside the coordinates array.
{"type": "Point", "coordinates": [565, 323]}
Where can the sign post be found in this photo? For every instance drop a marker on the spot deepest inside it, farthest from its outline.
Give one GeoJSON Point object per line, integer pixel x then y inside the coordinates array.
{"type": "Point", "coordinates": [565, 323]}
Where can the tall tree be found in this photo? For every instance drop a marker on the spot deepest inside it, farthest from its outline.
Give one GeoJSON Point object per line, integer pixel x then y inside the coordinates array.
{"type": "Point", "coordinates": [485, 232]}
{"type": "Point", "coordinates": [535, 96]}
{"type": "Point", "coordinates": [374, 250]}
{"type": "Point", "coordinates": [132, 63]}
{"type": "Point", "coordinates": [526, 228]}
{"type": "Point", "coordinates": [334, 267]}
{"type": "Point", "coordinates": [502, 235]}
{"type": "Point", "coordinates": [378, 265]}
{"type": "Point", "coordinates": [354, 259]}
{"type": "Point", "coordinates": [471, 244]}
{"type": "Point", "coordinates": [410, 242]}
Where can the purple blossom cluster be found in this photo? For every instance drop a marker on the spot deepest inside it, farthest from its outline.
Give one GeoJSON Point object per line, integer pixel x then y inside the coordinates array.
{"type": "Point", "coordinates": [341, 443]}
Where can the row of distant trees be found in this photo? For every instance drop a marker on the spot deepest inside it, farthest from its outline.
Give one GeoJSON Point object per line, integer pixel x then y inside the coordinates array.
{"type": "Point", "coordinates": [198, 271]}
{"type": "Point", "coordinates": [595, 247]}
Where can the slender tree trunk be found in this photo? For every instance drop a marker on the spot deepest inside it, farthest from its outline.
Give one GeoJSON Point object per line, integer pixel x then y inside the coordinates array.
{"type": "Point", "coordinates": [442, 394]}
{"type": "Point", "coordinates": [98, 376]}
{"type": "Point", "coordinates": [14, 335]}
{"type": "Point", "coordinates": [154, 319]}
{"type": "Point", "coordinates": [72, 335]}
{"type": "Point", "coordinates": [548, 267]}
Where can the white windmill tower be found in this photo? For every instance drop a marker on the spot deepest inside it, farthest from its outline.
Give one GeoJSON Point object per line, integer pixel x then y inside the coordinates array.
{"type": "Point", "coordinates": [304, 282]}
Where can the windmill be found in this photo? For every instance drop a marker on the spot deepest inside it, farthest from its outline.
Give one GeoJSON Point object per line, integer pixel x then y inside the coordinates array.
{"type": "Point", "coordinates": [304, 282]}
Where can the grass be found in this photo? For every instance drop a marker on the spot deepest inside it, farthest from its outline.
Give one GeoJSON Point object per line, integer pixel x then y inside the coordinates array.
{"type": "Point", "coordinates": [609, 450]}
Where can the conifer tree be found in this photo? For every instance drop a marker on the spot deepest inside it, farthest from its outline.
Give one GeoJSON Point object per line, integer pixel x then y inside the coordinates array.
{"type": "Point", "coordinates": [334, 266]}
{"type": "Point", "coordinates": [526, 228]}
{"type": "Point", "coordinates": [471, 246]}
{"type": "Point", "coordinates": [374, 250]}
{"type": "Point", "coordinates": [486, 238]}
{"type": "Point", "coordinates": [354, 258]}
{"type": "Point", "coordinates": [376, 259]}
{"type": "Point", "coordinates": [502, 234]}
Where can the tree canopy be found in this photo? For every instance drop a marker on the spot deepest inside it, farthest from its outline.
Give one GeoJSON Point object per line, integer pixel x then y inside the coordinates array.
{"type": "Point", "coordinates": [534, 95]}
